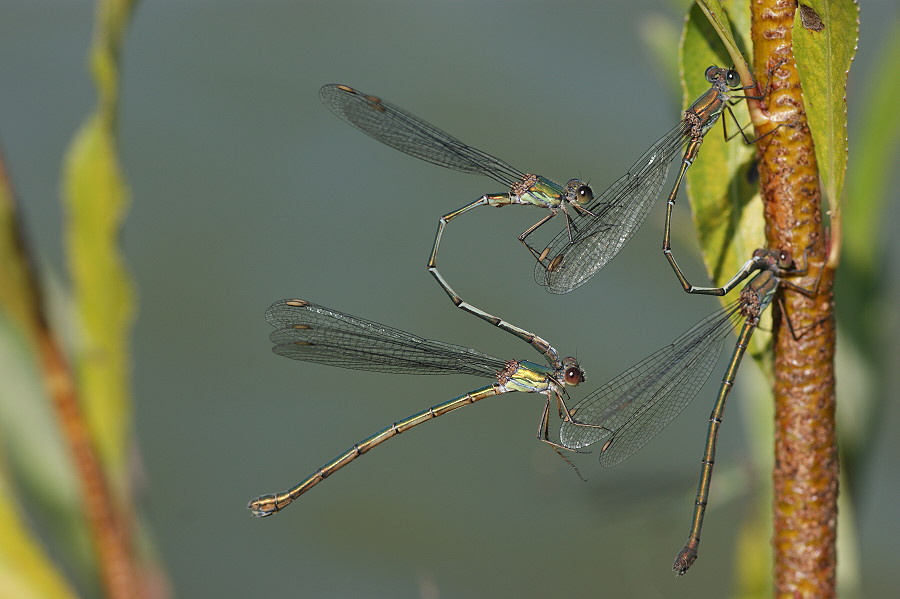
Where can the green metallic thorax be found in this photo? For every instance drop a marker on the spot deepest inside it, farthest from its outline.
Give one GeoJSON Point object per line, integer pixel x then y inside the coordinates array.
{"type": "Point", "coordinates": [527, 377]}
{"type": "Point", "coordinates": [532, 190]}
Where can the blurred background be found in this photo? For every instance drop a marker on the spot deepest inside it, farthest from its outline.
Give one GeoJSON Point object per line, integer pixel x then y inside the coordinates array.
{"type": "Point", "coordinates": [247, 190]}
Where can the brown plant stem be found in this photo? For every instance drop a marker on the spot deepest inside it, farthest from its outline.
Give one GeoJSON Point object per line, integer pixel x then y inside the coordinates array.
{"type": "Point", "coordinates": [113, 553]}
{"type": "Point", "coordinates": [806, 458]}
{"type": "Point", "coordinates": [111, 542]}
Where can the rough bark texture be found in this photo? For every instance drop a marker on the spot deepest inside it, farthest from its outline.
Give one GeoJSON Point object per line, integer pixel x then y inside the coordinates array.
{"type": "Point", "coordinates": [806, 458]}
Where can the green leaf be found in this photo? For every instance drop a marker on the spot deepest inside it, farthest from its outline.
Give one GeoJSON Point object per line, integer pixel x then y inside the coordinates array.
{"type": "Point", "coordinates": [753, 557]}
{"type": "Point", "coordinates": [659, 35]}
{"type": "Point", "coordinates": [866, 298]}
{"type": "Point", "coordinates": [722, 186]}
{"type": "Point", "coordinates": [874, 162]}
{"type": "Point", "coordinates": [825, 36]}
{"type": "Point", "coordinates": [96, 197]}
{"type": "Point", "coordinates": [723, 191]}
{"type": "Point", "coordinates": [25, 570]}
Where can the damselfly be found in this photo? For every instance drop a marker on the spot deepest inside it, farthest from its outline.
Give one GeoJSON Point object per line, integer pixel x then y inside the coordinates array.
{"type": "Point", "coordinates": [313, 333]}
{"type": "Point", "coordinates": [596, 227]}
{"type": "Point", "coordinates": [628, 411]}
{"type": "Point", "coordinates": [408, 133]}
{"type": "Point", "coordinates": [609, 222]}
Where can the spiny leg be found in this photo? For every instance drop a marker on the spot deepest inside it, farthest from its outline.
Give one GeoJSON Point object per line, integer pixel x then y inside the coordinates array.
{"type": "Point", "coordinates": [532, 229]}
{"type": "Point", "coordinates": [571, 229]}
{"type": "Point", "coordinates": [544, 436]}
{"type": "Point", "coordinates": [809, 292]}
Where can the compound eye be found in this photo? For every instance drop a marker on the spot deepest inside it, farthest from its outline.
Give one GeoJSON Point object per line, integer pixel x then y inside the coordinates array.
{"type": "Point", "coordinates": [573, 375]}
{"type": "Point", "coordinates": [712, 73]}
{"type": "Point", "coordinates": [732, 78]}
{"type": "Point", "coordinates": [584, 194]}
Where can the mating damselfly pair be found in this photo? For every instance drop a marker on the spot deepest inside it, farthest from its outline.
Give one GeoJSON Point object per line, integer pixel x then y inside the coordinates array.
{"type": "Point", "coordinates": [622, 415]}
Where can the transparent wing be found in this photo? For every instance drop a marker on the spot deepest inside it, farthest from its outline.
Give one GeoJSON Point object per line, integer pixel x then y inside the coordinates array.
{"type": "Point", "coordinates": [313, 333]}
{"type": "Point", "coordinates": [408, 133]}
{"type": "Point", "coordinates": [615, 216]}
{"type": "Point", "coordinates": [632, 408]}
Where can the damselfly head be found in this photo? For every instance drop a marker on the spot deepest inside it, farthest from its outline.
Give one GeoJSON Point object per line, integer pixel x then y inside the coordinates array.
{"type": "Point", "coordinates": [729, 77]}
{"type": "Point", "coordinates": [573, 374]}
{"type": "Point", "coordinates": [713, 73]}
{"type": "Point", "coordinates": [732, 78]}
{"type": "Point", "coordinates": [785, 260]}
{"type": "Point", "coordinates": [780, 259]}
{"type": "Point", "coordinates": [578, 191]}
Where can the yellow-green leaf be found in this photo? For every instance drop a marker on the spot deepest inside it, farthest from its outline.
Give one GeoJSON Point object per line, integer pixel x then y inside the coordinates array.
{"type": "Point", "coordinates": [96, 198]}
{"type": "Point", "coordinates": [25, 569]}
{"type": "Point", "coordinates": [825, 36]}
{"type": "Point", "coordinates": [753, 558]}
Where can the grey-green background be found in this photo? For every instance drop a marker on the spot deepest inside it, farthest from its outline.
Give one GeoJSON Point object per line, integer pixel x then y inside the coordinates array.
{"type": "Point", "coordinates": [247, 190]}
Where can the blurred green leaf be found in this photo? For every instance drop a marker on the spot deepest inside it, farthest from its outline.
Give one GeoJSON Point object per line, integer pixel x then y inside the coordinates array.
{"type": "Point", "coordinates": [25, 570]}
{"type": "Point", "coordinates": [97, 198]}
{"type": "Point", "coordinates": [825, 36]}
{"type": "Point", "coordinates": [659, 35]}
{"type": "Point", "coordinates": [866, 302]}
{"type": "Point", "coordinates": [874, 160]}
{"type": "Point", "coordinates": [753, 558]}
{"type": "Point", "coordinates": [754, 554]}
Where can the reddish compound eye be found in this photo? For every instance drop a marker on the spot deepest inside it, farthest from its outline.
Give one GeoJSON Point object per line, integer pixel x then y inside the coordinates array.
{"type": "Point", "coordinates": [573, 375]}
{"type": "Point", "coordinates": [785, 259]}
